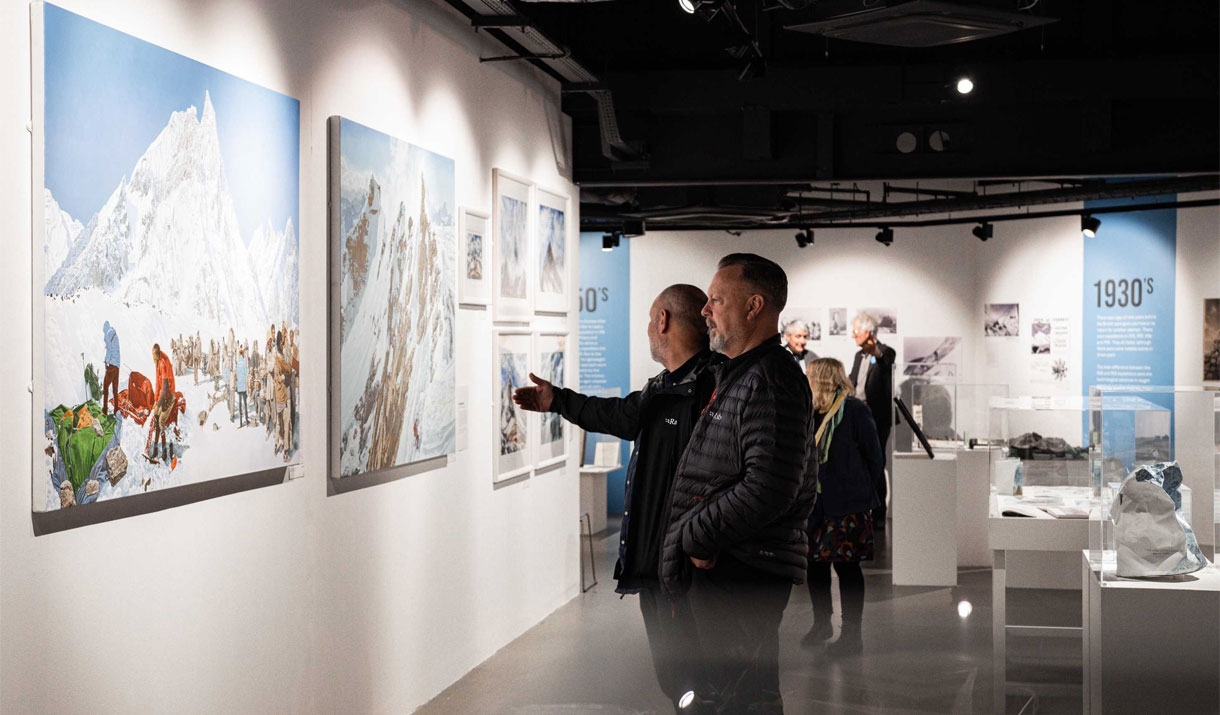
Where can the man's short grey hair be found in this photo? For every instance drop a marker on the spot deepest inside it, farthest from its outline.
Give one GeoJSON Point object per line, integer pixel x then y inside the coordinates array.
{"type": "Point", "coordinates": [764, 275]}
{"type": "Point", "coordinates": [794, 325]}
{"type": "Point", "coordinates": [866, 322]}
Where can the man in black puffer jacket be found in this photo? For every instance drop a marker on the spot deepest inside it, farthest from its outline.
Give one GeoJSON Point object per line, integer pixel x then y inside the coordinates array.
{"type": "Point", "coordinates": [742, 493]}
{"type": "Point", "coordinates": [659, 418]}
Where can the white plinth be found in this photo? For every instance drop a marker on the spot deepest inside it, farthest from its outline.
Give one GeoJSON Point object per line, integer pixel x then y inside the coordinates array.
{"type": "Point", "coordinates": [924, 510]}
{"type": "Point", "coordinates": [593, 495]}
{"type": "Point", "coordinates": [1151, 646]}
{"type": "Point", "coordinates": [973, 492]}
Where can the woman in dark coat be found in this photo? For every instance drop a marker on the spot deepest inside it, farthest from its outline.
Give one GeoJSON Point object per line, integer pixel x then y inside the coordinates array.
{"type": "Point", "coordinates": [841, 525]}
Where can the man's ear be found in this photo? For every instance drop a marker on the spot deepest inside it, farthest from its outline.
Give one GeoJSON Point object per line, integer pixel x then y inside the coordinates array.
{"type": "Point", "coordinates": [754, 306]}
{"type": "Point", "coordinates": [662, 321]}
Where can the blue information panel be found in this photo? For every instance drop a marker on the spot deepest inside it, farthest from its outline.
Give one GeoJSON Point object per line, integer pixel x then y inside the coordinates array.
{"type": "Point", "coordinates": [605, 339]}
{"type": "Point", "coordinates": [1128, 332]}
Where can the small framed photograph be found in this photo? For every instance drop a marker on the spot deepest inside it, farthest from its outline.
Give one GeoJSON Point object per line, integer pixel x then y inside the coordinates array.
{"type": "Point", "coordinates": [474, 250]}
{"type": "Point", "coordinates": [510, 248]}
{"type": "Point", "coordinates": [511, 358]}
{"type": "Point", "coordinates": [552, 252]}
{"type": "Point", "coordinates": [550, 364]}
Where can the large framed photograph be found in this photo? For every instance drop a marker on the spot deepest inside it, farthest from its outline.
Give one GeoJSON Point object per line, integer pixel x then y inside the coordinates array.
{"type": "Point", "coordinates": [551, 364]}
{"type": "Point", "coordinates": [474, 253]}
{"type": "Point", "coordinates": [511, 442]}
{"type": "Point", "coordinates": [165, 279]}
{"type": "Point", "coordinates": [392, 308]}
{"type": "Point", "coordinates": [552, 252]}
{"type": "Point", "coordinates": [510, 248]}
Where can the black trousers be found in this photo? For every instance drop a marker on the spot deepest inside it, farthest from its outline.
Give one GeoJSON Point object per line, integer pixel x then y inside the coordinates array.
{"type": "Point", "coordinates": [673, 640]}
{"type": "Point", "coordinates": [737, 611]}
{"type": "Point", "coordinates": [851, 589]}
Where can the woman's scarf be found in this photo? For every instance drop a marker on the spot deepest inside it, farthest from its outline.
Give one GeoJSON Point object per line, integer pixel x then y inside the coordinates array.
{"type": "Point", "coordinates": [833, 416]}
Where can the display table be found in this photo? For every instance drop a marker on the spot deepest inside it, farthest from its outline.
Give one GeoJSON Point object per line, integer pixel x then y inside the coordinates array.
{"type": "Point", "coordinates": [593, 494]}
{"type": "Point", "coordinates": [973, 494]}
{"type": "Point", "coordinates": [924, 510]}
{"type": "Point", "coordinates": [1011, 536]}
{"type": "Point", "coordinates": [1151, 645]}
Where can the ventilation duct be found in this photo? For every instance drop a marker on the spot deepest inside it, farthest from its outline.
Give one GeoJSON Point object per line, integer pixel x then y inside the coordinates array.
{"type": "Point", "coordinates": [922, 23]}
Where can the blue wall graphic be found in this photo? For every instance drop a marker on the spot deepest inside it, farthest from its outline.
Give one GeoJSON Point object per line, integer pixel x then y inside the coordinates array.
{"type": "Point", "coordinates": [605, 339]}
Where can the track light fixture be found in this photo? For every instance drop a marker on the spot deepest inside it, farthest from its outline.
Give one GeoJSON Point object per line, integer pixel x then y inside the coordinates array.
{"type": "Point", "coordinates": [804, 237]}
{"type": "Point", "coordinates": [983, 231]}
{"type": "Point", "coordinates": [688, 6]}
{"type": "Point", "coordinates": [885, 236]}
{"type": "Point", "coordinates": [611, 240]}
{"type": "Point", "coordinates": [1089, 225]}
{"type": "Point", "coordinates": [705, 9]}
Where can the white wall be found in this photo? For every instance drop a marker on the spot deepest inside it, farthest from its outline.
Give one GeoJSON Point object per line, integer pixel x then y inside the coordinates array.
{"type": "Point", "coordinates": [283, 599]}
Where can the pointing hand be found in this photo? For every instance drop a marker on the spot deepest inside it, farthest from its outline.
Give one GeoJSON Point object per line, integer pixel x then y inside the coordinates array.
{"type": "Point", "coordinates": [537, 398]}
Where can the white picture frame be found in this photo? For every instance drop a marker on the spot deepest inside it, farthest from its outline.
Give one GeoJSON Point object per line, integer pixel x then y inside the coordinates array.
{"type": "Point", "coordinates": [473, 254]}
{"type": "Point", "coordinates": [511, 279]}
{"type": "Point", "coordinates": [552, 251]}
{"type": "Point", "coordinates": [551, 363]}
{"type": "Point", "coordinates": [511, 426]}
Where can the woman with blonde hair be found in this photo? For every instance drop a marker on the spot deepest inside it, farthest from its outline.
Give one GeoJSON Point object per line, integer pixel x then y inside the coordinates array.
{"type": "Point", "coordinates": [841, 525]}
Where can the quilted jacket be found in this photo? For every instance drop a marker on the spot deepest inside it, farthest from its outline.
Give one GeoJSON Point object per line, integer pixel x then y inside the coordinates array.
{"type": "Point", "coordinates": [748, 479]}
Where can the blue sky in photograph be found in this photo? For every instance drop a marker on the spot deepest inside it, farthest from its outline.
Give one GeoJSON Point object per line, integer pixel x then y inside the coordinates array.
{"type": "Point", "coordinates": [367, 149]}
{"type": "Point", "coordinates": [108, 96]}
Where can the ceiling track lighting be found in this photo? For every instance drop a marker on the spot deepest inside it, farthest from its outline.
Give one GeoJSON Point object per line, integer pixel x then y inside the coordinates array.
{"type": "Point", "coordinates": [611, 240]}
{"type": "Point", "coordinates": [984, 231]}
{"type": "Point", "coordinates": [1089, 225]}
{"type": "Point", "coordinates": [885, 236]}
{"type": "Point", "coordinates": [804, 237]}
{"type": "Point", "coordinates": [705, 9]}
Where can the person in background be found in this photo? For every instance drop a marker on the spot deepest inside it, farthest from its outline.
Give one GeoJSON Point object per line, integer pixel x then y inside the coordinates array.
{"type": "Point", "coordinates": [796, 336]}
{"type": "Point", "coordinates": [872, 374]}
{"type": "Point", "coordinates": [841, 525]}
{"type": "Point", "coordinates": [165, 401]}
{"type": "Point", "coordinates": [659, 419]}
{"type": "Point", "coordinates": [242, 373]}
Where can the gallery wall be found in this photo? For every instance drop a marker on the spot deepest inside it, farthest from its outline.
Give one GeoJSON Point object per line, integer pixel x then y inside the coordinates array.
{"type": "Point", "coordinates": [297, 597]}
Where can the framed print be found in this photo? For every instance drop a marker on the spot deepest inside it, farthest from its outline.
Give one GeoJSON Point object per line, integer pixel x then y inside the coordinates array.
{"type": "Point", "coordinates": [551, 252]}
{"type": "Point", "coordinates": [510, 248]}
{"type": "Point", "coordinates": [511, 441]}
{"type": "Point", "coordinates": [165, 279]}
{"type": "Point", "coordinates": [392, 311]}
{"type": "Point", "coordinates": [550, 356]}
{"type": "Point", "coordinates": [474, 252]}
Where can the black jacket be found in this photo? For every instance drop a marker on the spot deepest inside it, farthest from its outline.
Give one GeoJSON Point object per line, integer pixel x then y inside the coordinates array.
{"type": "Point", "coordinates": [747, 482]}
{"type": "Point", "coordinates": [659, 419]}
{"type": "Point", "coordinates": [850, 472]}
{"type": "Point", "coordinates": [878, 388]}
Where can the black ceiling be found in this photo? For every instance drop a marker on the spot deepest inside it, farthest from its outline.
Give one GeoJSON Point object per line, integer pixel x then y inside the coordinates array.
{"type": "Point", "coordinates": [723, 120]}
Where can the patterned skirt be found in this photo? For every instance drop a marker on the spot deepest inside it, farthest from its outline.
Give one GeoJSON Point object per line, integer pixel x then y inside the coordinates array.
{"type": "Point", "coordinates": [842, 538]}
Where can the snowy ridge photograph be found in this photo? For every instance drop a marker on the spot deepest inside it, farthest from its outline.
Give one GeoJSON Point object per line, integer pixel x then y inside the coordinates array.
{"type": "Point", "coordinates": [552, 252]}
{"type": "Point", "coordinates": [169, 283]}
{"type": "Point", "coordinates": [511, 359]}
{"type": "Point", "coordinates": [510, 266]}
{"type": "Point", "coordinates": [397, 302]}
{"type": "Point", "coordinates": [549, 349]}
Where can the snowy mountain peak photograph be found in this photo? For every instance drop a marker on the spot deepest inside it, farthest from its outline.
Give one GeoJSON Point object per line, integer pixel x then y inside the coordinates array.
{"type": "Point", "coordinates": [170, 301]}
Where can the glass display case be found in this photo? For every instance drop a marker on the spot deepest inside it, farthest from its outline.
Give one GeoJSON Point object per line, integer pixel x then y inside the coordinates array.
{"type": "Point", "coordinates": [951, 415]}
{"type": "Point", "coordinates": [1158, 467]}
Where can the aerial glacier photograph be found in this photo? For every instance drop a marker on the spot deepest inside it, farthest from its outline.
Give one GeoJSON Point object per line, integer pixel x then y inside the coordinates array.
{"type": "Point", "coordinates": [396, 300]}
{"type": "Point", "coordinates": [169, 281]}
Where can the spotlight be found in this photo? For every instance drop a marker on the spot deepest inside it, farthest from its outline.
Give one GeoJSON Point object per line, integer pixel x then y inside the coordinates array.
{"type": "Point", "coordinates": [965, 85]}
{"type": "Point", "coordinates": [705, 9]}
{"type": "Point", "coordinates": [610, 241]}
{"type": "Point", "coordinates": [804, 237]}
{"type": "Point", "coordinates": [885, 236]}
{"type": "Point", "coordinates": [688, 6]}
{"type": "Point", "coordinates": [983, 231]}
{"type": "Point", "coordinates": [1089, 225]}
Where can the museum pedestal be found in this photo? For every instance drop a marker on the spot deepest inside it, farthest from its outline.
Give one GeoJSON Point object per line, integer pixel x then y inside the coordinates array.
{"type": "Point", "coordinates": [924, 510]}
{"type": "Point", "coordinates": [1151, 645]}
{"type": "Point", "coordinates": [593, 495]}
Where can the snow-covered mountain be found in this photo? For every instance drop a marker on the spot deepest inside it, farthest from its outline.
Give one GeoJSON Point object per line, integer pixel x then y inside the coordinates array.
{"type": "Point", "coordinates": [60, 231]}
{"type": "Point", "coordinates": [168, 236]}
{"type": "Point", "coordinates": [397, 356]}
{"type": "Point", "coordinates": [273, 258]}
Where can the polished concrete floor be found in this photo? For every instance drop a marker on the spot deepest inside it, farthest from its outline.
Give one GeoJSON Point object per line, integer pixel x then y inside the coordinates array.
{"type": "Point", "coordinates": [921, 655]}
